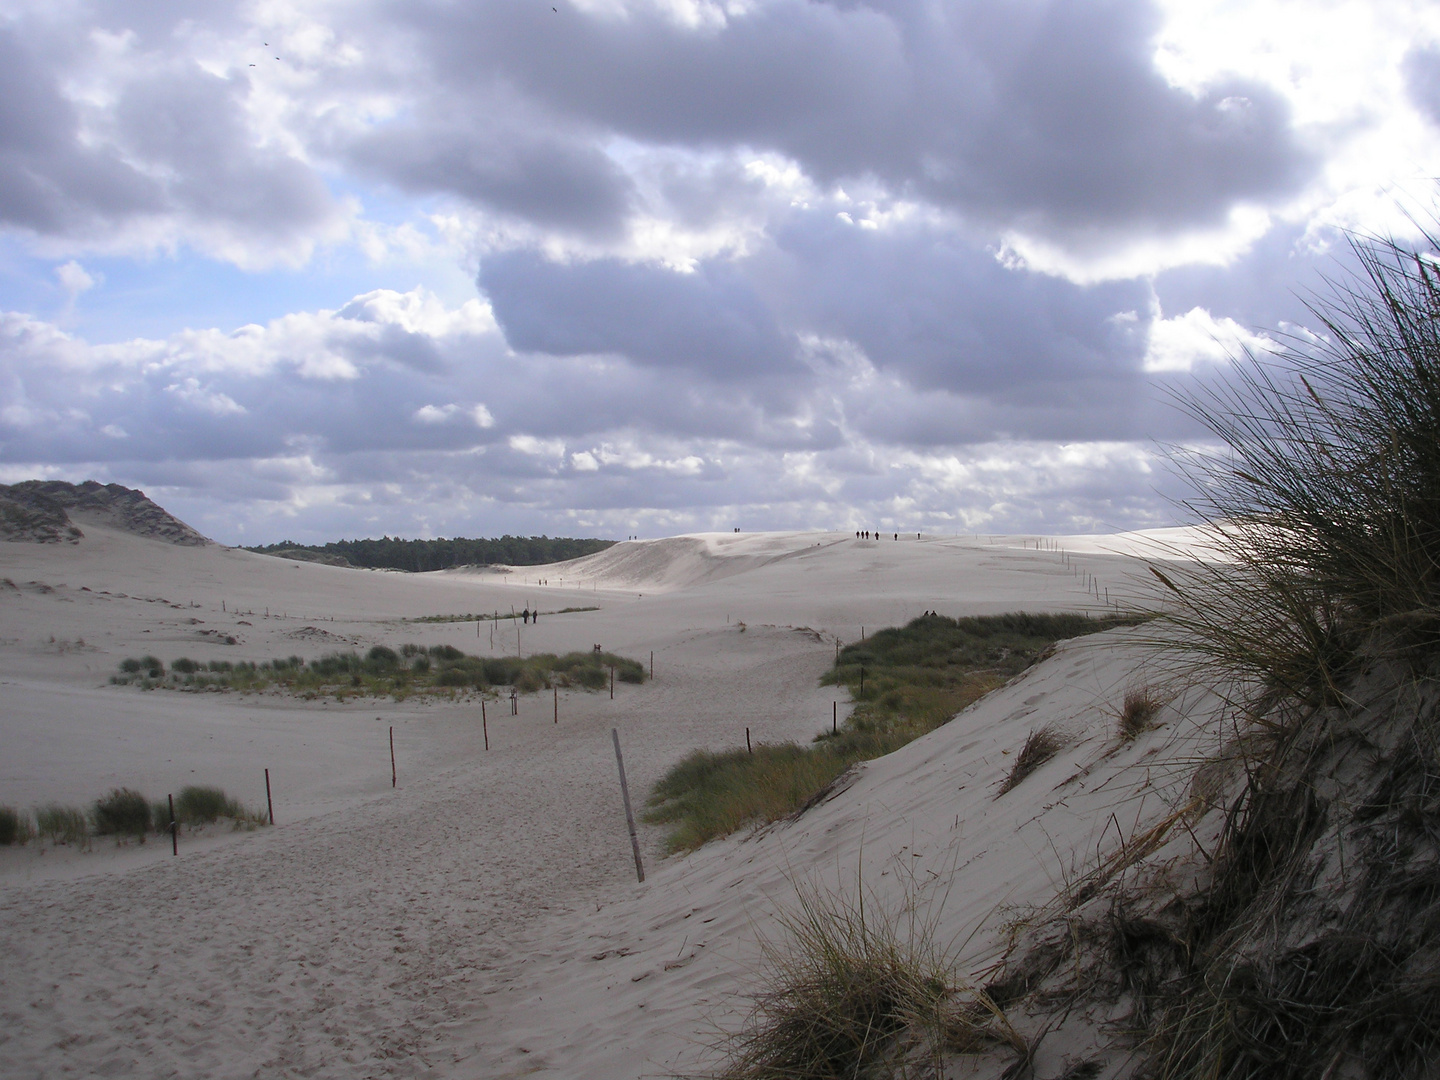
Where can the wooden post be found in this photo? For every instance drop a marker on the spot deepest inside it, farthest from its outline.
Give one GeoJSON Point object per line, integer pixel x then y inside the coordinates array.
{"type": "Point", "coordinates": [392, 755]}
{"type": "Point", "coordinates": [748, 748]}
{"type": "Point", "coordinates": [269, 803]}
{"type": "Point", "coordinates": [484, 725]}
{"type": "Point", "coordinates": [612, 682]}
{"type": "Point", "coordinates": [629, 815]}
{"type": "Point", "coordinates": [174, 831]}
{"type": "Point", "coordinates": [557, 703]}
{"type": "Point", "coordinates": [834, 718]}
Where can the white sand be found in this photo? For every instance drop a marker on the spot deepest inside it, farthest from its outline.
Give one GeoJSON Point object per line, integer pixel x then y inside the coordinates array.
{"type": "Point", "coordinates": [452, 926]}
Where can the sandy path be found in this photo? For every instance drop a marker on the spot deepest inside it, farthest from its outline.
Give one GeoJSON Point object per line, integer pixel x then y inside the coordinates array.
{"type": "Point", "coordinates": [352, 943]}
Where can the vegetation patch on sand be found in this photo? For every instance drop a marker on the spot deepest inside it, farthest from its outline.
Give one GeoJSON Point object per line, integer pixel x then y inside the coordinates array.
{"type": "Point", "coordinates": [493, 616]}
{"type": "Point", "coordinates": [393, 553]}
{"type": "Point", "coordinates": [125, 814]}
{"type": "Point", "coordinates": [383, 671]}
{"type": "Point", "coordinates": [906, 681]}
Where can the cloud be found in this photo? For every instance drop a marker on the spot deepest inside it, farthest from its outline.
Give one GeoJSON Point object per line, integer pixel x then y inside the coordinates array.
{"type": "Point", "coordinates": [1049, 117]}
{"type": "Point", "coordinates": [711, 320]}
{"type": "Point", "coordinates": [1422, 80]}
{"type": "Point", "coordinates": [74, 279]}
{"type": "Point", "coordinates": [1197, 337]}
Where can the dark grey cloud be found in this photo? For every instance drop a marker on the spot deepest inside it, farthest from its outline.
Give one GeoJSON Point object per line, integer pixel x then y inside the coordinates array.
{"type": "Point", "coordinates": [1422, 80]}
{"type": "Point", "coordinates": [1043, 114]}
{"type": "Point", "coordinates": [711, 320]}
{"type": "Point", "coordinates": [947, 314]}
{"type": "Point", "coordinates": [49, 180]}
{"type": "Point", "coordinates": [515, 168]}
{"type": "Point", "coordinates": [190, 126]}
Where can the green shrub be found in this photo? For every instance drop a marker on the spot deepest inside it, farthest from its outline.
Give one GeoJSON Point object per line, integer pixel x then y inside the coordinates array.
{"type": "Point", "coordinates": [152, 667]}
{"type": "Point", "coordinates": [122, 812]}
{"type": "Point", "coordinates": [130, 666]}
{"type": "Point", "coordinates": [445, 652]}
{"type": "Point", "coordinates": [11, 830]}
{"type": "Point", "coordinates": [200, 805]}
{"type": "Point", "coordinates": [381, 659]}
{"type": "Point", "coordinates": [185, 666]}
{"type": "Point", "coordinates": [62, 824]}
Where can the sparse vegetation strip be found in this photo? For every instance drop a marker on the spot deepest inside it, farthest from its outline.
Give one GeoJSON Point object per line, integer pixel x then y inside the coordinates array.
{"type": "Point", "coordinates": [492, 616]}
{"type": "Point", "coordinates": [440, 669]}
{"type": "Point", "coordinates": [916, 677]}
{"type": "Point", "coordinates": [125, 814]}
{"type": "Point", "coordinates": [393, 553]}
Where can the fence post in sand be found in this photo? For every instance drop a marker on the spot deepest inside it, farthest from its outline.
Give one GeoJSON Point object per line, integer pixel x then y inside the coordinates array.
{"type": "Point", "coordinates": [269, 803]}
{"type": "Point", "coordinates": [612, 682]}
{"type": "Point", "coordinates": [834, 718]}
{"type": "Point", "coordinates": [174, 832]}
{"type": "Point", "coordinates": [484, 724]}
{"type": "Point", "coordinates": [557, 703]}
{"type": "Point", "coordinates": [629, 815]}
{"type": "Point", "coordinates": [748, 749]}
{"type": "Point", "coordinates": [392, 755]}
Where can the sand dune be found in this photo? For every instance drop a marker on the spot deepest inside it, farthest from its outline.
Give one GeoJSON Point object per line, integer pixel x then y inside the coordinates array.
{"type": "Point", "coordinates": [483, 919]}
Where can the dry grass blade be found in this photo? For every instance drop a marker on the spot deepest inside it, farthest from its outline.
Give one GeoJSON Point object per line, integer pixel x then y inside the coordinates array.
{"type": "Point", "coordinates": [1138, 711]}
{"type": "Point", "coordinates": [1041, 745]}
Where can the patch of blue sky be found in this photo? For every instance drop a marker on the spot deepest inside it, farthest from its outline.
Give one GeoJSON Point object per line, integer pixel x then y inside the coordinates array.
{"type": "Point", "coordinates": [157, 295]}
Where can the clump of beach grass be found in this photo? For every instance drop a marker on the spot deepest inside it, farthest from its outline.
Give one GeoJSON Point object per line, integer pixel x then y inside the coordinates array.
{"type": "Point", "coordinates": [1138, 710]}
{"type": "Point", "coordinates": [202, 805]}
{"type": "Point", "coordinates": [710, 794]}
{"type": "Point", "coordinates": [15, 826]}
{"type": "Point", "coordinates": [122, 812]}
{"type": "Point", "coordinates": [852, 987]}
{"type": "Point", "coordinates": [1042, 744]}
{"type": "Point", "coordinates": [62, 824]}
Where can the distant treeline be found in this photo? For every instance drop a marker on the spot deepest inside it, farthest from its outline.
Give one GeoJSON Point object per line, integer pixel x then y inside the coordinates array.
{"type": "Point", "coordinates": [392, 553]}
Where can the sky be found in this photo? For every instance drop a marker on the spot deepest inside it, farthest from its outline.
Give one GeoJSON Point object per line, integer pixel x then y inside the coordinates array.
{"type": "Point", "coordinates": [321, 270]}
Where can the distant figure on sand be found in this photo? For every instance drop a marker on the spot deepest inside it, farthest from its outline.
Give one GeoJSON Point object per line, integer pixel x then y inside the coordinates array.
{"type": "Point", "coordinates": [525, 615]}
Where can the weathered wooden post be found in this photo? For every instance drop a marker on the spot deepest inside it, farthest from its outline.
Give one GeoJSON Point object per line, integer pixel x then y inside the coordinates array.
{"type": "Point", "coordinates": [629, 815]}
{"type": "Point", "coordinates": [174, 830]}
{"type": "Point", "coordinates": [269, 803]}
{"type": "Point", "coordinates": [834, 718]}
{"type": "Point", "coordinates": [748, 749]}
{"type": "Point", "coordinates": [557, 703]}
{"type": "Point", "coordinates": [392, 755]}
{"type": "Point", "coordinates": [484, 725]}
